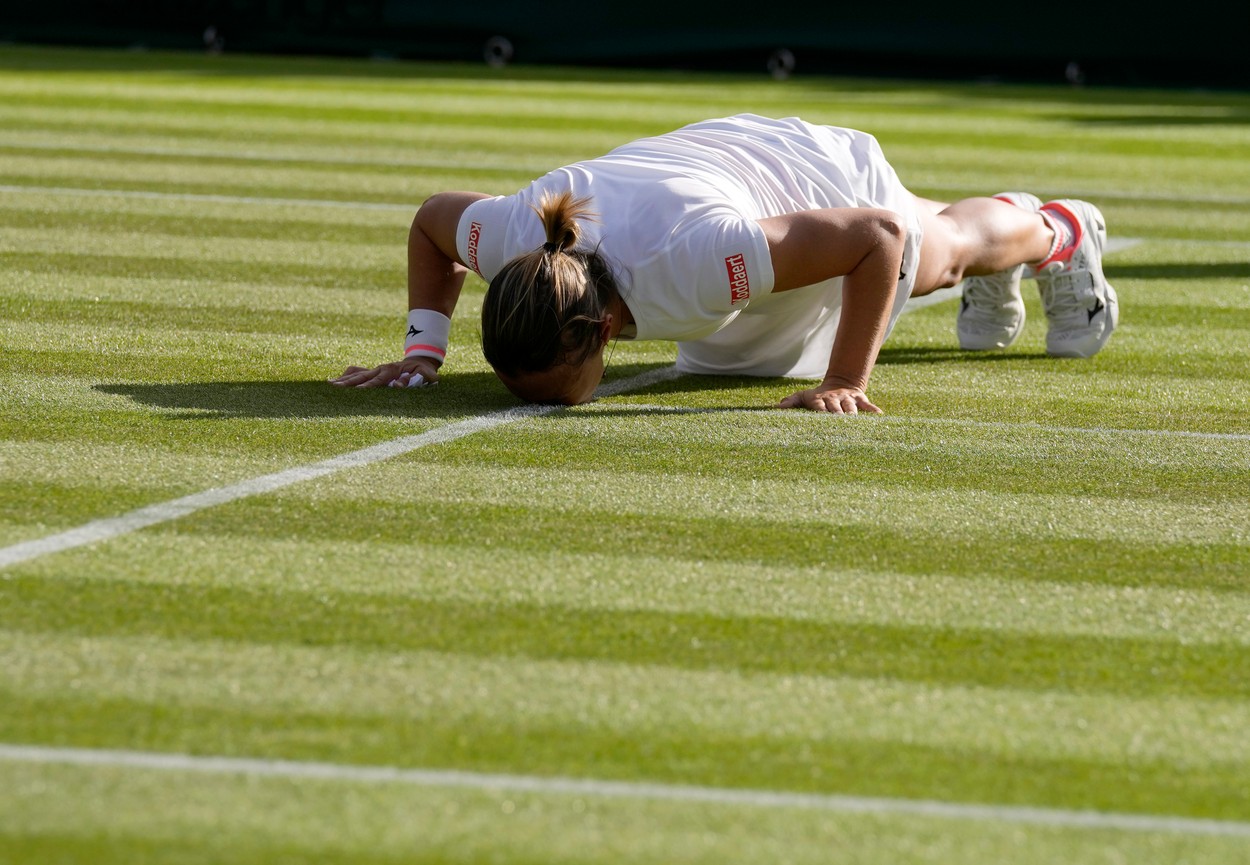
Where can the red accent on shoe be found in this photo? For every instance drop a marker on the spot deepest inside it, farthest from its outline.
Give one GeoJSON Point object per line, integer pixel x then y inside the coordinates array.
{"type": "Point", "coordinates": [1064, 253]}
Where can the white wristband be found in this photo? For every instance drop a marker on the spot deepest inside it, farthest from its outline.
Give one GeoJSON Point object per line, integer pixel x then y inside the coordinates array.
{"type": "Point", "coordinates": [428, 334]}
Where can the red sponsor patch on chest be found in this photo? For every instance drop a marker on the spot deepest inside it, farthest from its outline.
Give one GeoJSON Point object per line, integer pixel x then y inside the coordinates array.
{"type": "Point", "coordinates": [739, 282]}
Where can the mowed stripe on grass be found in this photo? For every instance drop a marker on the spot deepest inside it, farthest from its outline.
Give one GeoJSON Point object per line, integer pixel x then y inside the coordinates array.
{"type": "Point", "coordinates": [564, 630]}
{"type": "Point", "coordinates": [975, 613]}
{"type": "Point", "coordinates": [528, 784]}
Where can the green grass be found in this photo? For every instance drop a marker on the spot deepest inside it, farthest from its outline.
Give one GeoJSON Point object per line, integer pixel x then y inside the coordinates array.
{"type": "Point", "coordinates": [1028, 584]}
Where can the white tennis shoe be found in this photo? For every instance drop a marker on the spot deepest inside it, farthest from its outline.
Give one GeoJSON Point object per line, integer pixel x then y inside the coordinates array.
{"type": "Point", "coordinates": [991, 310]}
{"type": "Point", "coordinates": [1081, 307]}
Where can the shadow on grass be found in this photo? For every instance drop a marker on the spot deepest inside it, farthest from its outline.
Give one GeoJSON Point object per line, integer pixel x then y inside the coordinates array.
{"type": "Point", "coordinates": [762, 393]}
{"type": "Point", "coordinates": [1180, 270]}
{"type": "Point", "coordinates": [469, 393]}
{"type": "Point", "coordinates": [466, 393]}
{"type": "Point", "coordinates": [900, 355]}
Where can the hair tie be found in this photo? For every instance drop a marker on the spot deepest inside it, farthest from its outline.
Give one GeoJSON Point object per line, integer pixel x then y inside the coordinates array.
{"type": "Point", "coordinates": [551, 246]}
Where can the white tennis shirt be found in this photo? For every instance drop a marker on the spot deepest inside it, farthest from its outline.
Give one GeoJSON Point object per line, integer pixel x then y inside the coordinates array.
{"type": "Point", "coordinates": [676, 216]}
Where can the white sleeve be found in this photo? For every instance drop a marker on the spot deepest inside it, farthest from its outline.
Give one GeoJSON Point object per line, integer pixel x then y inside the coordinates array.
{"type": "Point", "coordinates": [481, 236]}
{"type": "Point", "coordinates": [727, 260]}
{"type": "Point", "coordinates": [708, 271]}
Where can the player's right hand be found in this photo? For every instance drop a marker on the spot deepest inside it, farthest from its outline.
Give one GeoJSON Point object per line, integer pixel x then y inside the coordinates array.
{"type": "Point", "coordinates": [396, 374]}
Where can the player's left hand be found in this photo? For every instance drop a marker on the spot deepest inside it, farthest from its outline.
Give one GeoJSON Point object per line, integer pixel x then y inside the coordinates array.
{"type": "Point", "coordinates": [834, 400]}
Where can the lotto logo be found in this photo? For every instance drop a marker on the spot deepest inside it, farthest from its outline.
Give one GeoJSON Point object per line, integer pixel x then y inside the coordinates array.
{"type": "Point", "coordinates": [475, 233]}
{"type": "Point", "coordinates": [739, 283]}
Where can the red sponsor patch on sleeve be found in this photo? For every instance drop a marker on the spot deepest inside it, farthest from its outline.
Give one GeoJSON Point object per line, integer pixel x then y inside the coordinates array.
{"type": "Point", "coordinates": [739, 282]}
{"type": "Point", "coordinates": [475, 234]}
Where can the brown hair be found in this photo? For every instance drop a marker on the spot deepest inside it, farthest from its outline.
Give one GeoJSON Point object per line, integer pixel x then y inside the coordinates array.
{"type": "Point", "coordinates": [544, 308]}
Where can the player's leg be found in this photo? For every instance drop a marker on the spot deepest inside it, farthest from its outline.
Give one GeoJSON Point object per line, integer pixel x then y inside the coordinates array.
{"type": "Point", "coordinates": [990, 243]}
{"type": "Point", "coordinates": [991, 310]}
{"type": "Point", "coordinates": [978, 237]}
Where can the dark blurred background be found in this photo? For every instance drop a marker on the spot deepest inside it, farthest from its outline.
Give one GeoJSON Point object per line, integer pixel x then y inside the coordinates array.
{"type": "Point", "coordinates": [1198, 44]}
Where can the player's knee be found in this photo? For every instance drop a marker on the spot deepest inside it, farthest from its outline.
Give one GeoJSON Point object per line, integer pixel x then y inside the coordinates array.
{"type": "Point", "coordinates": [952, 275]}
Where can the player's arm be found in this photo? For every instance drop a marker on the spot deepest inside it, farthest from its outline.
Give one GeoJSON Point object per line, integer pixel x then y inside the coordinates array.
{"type": "Point", "coordinates": [435, 271]}
{"type": "Point", "coordinates": [435, 277]}
{"type": "Point", "coordinates": [865, 247]}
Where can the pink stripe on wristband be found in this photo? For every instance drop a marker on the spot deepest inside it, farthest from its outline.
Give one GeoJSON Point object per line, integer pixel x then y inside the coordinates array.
{"type": "Point", "coordinates": [418, 347]}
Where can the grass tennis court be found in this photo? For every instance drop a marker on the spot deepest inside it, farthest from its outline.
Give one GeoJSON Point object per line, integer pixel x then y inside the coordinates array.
{"type": "Point", "coordinates": [1026, 588]}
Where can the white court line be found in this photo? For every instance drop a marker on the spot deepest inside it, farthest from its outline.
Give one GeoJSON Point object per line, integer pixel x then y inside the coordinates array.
{"type": "Point", "coordinates": [650, 791]}
{"type": "Point", "coordinates": [112, 527]}
{"type": "Point", "coordinates": [104, 529]}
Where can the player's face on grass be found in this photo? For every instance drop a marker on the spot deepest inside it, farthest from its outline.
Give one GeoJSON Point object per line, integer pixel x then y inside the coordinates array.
{"type": "Point", "coordinates": [566, 384]}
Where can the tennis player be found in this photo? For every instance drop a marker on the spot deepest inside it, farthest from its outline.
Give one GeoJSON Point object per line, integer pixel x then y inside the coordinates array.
{"type": "Point", "coordinates": [760, 246]}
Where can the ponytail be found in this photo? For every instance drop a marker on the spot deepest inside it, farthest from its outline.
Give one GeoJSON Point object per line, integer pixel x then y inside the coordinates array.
{"type": "Point", "coordinates": [559, 215]}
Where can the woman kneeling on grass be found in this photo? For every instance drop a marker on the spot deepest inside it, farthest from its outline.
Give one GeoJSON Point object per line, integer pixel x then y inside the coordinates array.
{"type": "Point", "coordinates": [762, 247]}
